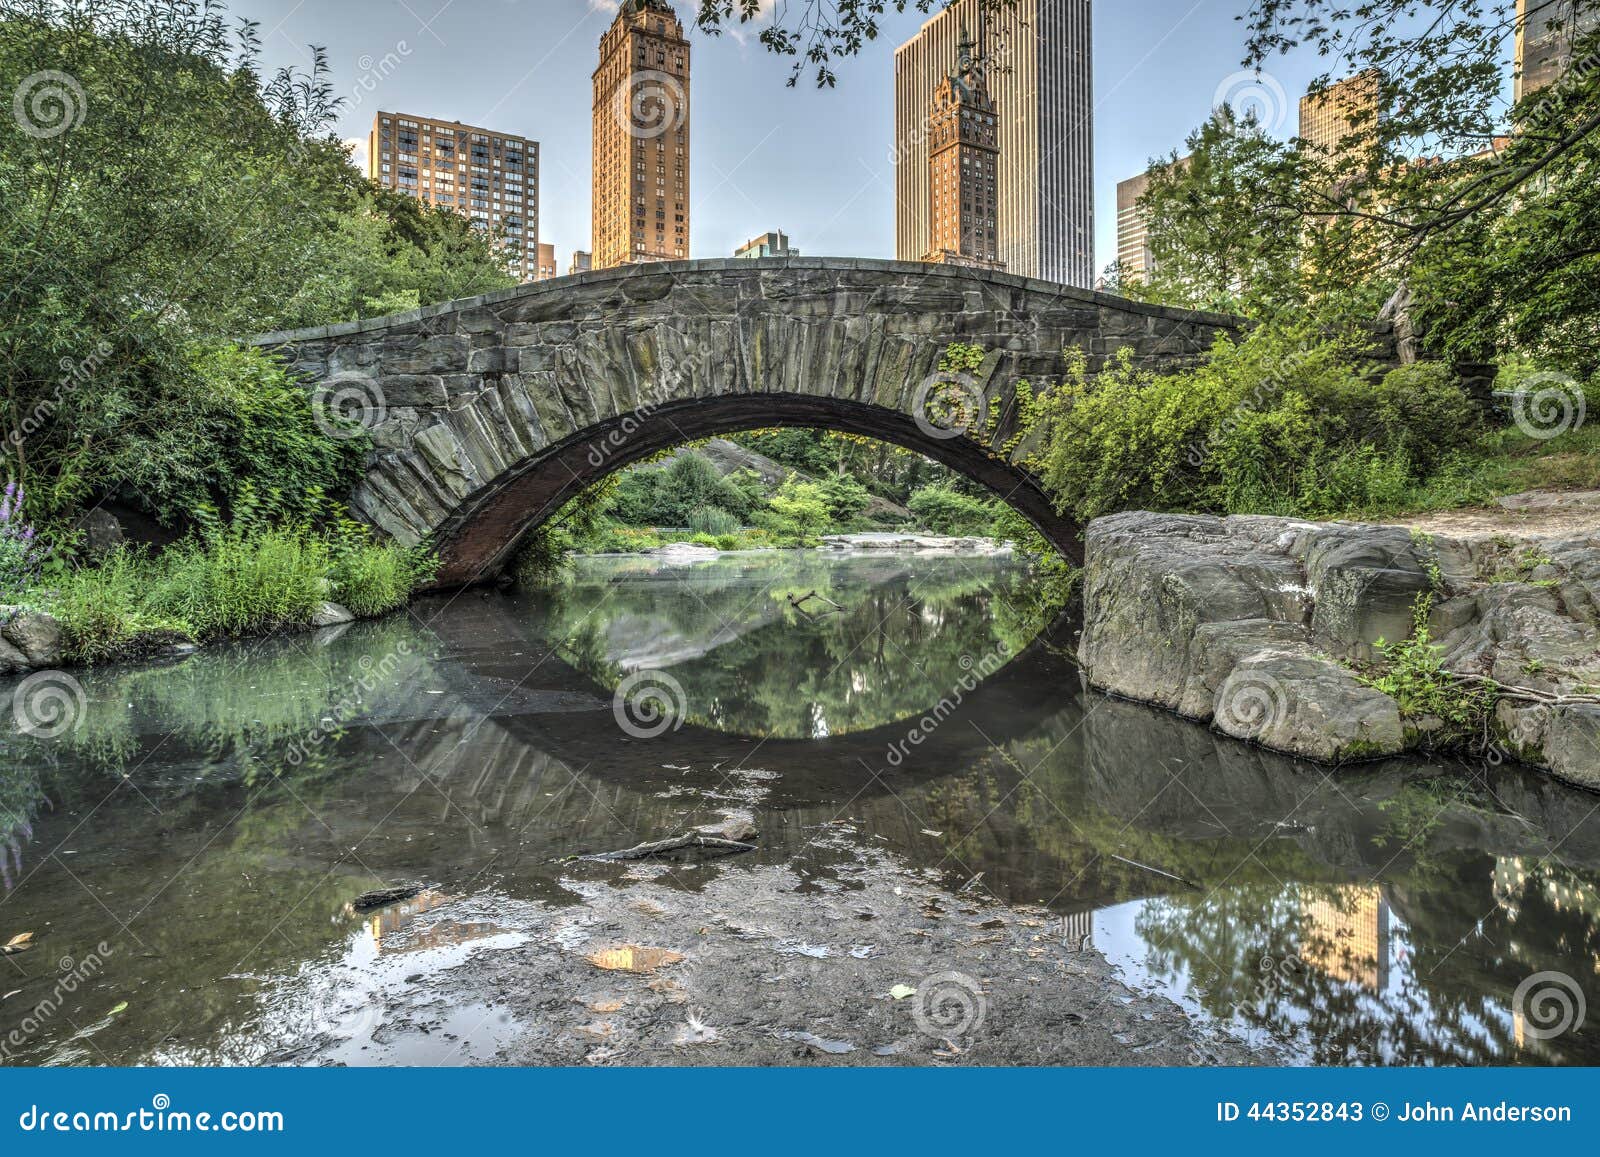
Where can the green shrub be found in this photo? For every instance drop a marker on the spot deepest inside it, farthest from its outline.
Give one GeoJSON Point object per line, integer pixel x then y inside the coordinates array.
{"type": "Point", "coordinates": [713, 520]}
{"type": "Point", "coordinates": [102, 609]}
{"type": "Point", "coordinates": [372, 578]}
{"type": "Point", "coordinates": [943, 510]}
{"type": "Point", "coordinates": [241, 583]}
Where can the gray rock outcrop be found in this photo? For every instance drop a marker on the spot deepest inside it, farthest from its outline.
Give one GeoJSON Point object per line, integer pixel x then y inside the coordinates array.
{"type": "Point", "coordinates": [1263, 628]}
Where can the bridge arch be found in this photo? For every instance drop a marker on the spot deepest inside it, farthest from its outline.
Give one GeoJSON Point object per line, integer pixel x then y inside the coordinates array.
{"type": "Point", "coordinates": [488, 414]}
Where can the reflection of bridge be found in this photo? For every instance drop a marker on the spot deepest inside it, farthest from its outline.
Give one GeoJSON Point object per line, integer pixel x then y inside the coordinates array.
{"type": "Point", "coordinates": [490, 413]}
{"type": "Point", "coordinates": [564, 713]}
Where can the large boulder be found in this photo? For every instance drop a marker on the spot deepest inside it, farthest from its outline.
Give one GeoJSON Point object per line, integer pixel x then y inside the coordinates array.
{"type": "Point", "coordinates": [35, 634]}
{"type": "Point", "coordinates": [1262, 627]}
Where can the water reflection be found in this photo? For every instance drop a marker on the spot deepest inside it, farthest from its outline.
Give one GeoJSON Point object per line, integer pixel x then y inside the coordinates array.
{"type": "Point", "coordinates": [211, 821]}
{"type": "Point", "coordinates": [793, 645]}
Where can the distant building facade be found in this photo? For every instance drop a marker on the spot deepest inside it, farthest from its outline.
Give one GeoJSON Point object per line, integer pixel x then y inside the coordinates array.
{"type": "Point", "coordinates": [1330, 119]}
{"type": "Point", "coordinates": [547, 263]}
{"type": "Point", "coordinates": [964, 165]}
{"type": "Point", "coordinates": [1133, 229]}
{"type": "Point", "coordinates": [581, 262]}
{"type": "Point", "coordinates": [774, 244]}
{"type": "Point", "coordinates": [641, 138]}
{"type": "Point", "coordinates": [1039, 74]}
{"type": "Point", "coordinates": [489, 176]}
{"type": "Point", "coordinates": [1546, 30]}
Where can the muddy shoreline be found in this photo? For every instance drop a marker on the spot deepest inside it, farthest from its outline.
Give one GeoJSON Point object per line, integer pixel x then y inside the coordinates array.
{"type": "Point", "coordinates": [807, 962]}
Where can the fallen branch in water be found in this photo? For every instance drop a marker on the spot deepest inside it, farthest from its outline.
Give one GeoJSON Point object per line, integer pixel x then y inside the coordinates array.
{"type": "Point", "coordinates": [676, 843]}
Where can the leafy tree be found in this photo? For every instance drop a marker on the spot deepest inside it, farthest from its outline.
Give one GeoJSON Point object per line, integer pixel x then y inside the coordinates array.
{"type": "Point", "coordinates": [163, 198]}
{"type": "Point", "coordinates": [1225, 223]}
{"type": "Point", "coordinates": [800, 509]}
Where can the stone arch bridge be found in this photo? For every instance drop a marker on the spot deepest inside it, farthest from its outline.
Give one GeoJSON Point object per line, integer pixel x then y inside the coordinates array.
{"type": "Point", "coordinates": [488, 414]}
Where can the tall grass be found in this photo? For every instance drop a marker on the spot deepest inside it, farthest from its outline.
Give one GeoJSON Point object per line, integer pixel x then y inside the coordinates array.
{"type": "Point", "coordinates": [230, 583]}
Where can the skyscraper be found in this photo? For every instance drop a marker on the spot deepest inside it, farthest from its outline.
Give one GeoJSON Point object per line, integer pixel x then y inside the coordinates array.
{"type": "Point", "coordinates": [1335, 118]}
{"type": "Point", "coordinates": [963, 164]}
{"type": "Point", "coordinates": [1040, 77]}
{"type": "Point", "coordinates": [641, 138]}
{"type": "Point", "coordinates": [490, 177]}
{"type": "Point", "coordinates": [1546, 30]}
{"type": "Point", "coordinates": [1133, 229]}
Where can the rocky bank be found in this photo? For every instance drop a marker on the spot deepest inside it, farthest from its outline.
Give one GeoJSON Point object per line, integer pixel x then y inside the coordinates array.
{"type": "Point", "coordinates": [1264, 627]}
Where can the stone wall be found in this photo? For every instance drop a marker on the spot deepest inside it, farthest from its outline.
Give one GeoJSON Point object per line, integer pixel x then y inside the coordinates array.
{"type": "Point", "coordinates": [488, 414]}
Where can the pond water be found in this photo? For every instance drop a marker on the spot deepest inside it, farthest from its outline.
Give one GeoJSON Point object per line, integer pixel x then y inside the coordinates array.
{"type": "Point", "coordinates": [185, 853]}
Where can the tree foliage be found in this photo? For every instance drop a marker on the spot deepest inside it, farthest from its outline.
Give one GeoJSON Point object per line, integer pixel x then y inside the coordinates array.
{"type": "Point", "coordinates": [164, 197]}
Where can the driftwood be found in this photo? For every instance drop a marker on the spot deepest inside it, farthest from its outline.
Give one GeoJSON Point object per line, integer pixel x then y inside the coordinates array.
{"type": "Point", "coordinates": [381, 896]}
{"type": "Point", "coordinates": [657, 847]}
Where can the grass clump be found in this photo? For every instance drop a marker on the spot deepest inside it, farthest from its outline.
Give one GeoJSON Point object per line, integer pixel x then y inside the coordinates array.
{"type": "Point", "coordinates": [232, 582]}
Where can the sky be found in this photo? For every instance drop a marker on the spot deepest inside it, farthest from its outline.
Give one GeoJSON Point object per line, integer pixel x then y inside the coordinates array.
{"type": "Point", "coordinates": [816, 164]}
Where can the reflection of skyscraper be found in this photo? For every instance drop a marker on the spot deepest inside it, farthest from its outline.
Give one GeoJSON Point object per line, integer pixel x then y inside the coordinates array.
{"type": "Point", "coordinates": [1040, 76]}
{"type": "Point", "coordinates": [641, 138]}
{"type": "Point", "coordinates": [1345, 934]}
{"type": "Point", "coordinates": [1546, 30]}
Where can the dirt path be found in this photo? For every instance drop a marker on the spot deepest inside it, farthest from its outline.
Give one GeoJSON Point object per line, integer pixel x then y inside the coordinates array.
{"type": "Point", "coordinates": [1536, 514]}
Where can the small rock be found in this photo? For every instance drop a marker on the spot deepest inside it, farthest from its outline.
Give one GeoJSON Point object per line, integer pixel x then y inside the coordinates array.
{"type": "Point", "coordinates": [331, 615]}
